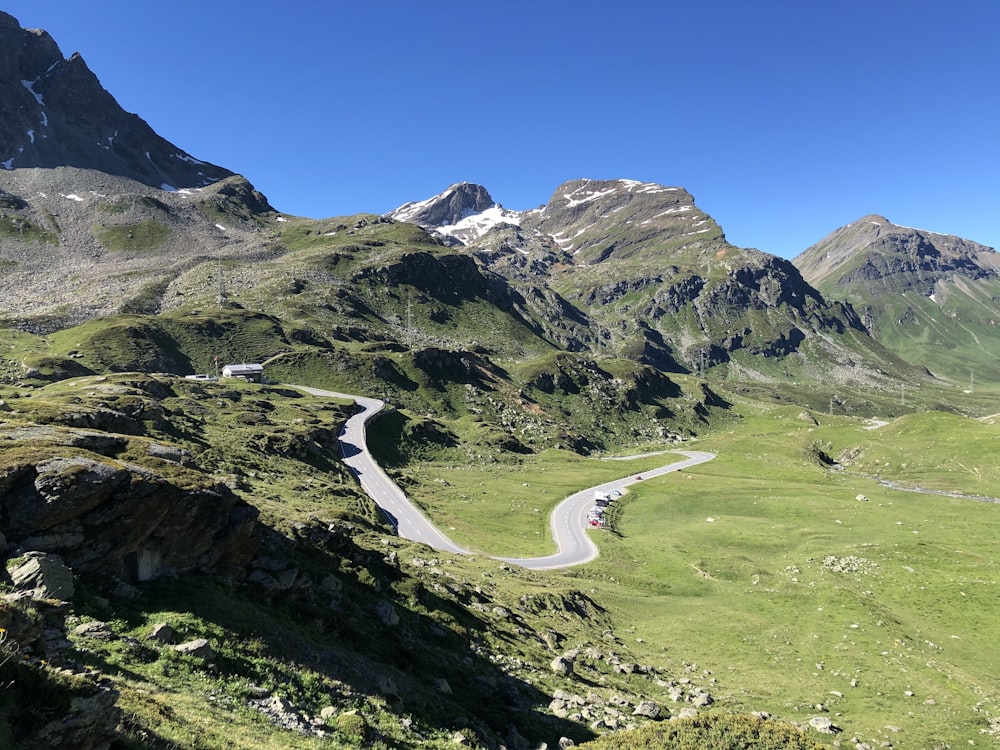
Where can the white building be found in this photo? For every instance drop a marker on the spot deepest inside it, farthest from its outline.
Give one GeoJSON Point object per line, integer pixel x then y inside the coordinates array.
{"type": "Point", "coordinates": [251, 372]}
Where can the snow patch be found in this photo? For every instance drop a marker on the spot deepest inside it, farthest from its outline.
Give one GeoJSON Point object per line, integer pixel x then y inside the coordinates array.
{"type": "Point", "coordinates": [634, 186]}
{"type": "Point", "coordinates": [45, 120]}
{"type": "Point", "coordinates": [587, 196]}
{"type": "Point", "coordinates": [9, 164]}
{"type": "Point", "coordinates": [677, 210]}
{"type": "Point", "coordinates": [169, 188]}
{"type": "Point", "coordinates": [473, 226]}
{"type": "Point", "coordinates": [31, 136]}
{"type": "Point", "coordinates": [30, 86]}
{"type": "Point", "coordinates": [281, 218]}
{"type": "Point", "coordinates": [185, 157]}
{"type": "Point", "coordinates": [220, 227]}
{"type": "Point", "coordinates": [73, 197]}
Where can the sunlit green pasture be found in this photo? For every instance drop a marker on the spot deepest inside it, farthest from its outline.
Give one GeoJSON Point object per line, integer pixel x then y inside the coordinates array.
{"type": "Point", "coordinates": [799, 586]}
{"type": "Point", "coordinates": [806, 587]}
{"type": "Point", "coordinates": [503, 509]}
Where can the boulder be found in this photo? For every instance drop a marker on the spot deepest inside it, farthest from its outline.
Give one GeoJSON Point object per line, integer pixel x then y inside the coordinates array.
{"type": "Point", "coordinates": [123, 521]}
{"type": "Point", "coordinates": [95, 629]}
{"type": "Point", "coordinates": [44, 575]}
{"type": "Point", "coordinates": [823, 725]}
{"type": "Point", "coordinates": [649, 709]}
{"type": "Point", "coordinates": [387, 613]}
{"type": "Point", "coordinates": [199, 647]}
{"type": "Point", "coordinates": [90, 723]}
{"type": "Point", "coordinates": [562, 666]}
{"type": "Point", "coordinates": [161, 633]}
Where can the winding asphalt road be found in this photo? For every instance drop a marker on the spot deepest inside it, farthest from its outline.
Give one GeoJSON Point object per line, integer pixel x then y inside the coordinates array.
{"type": "Point", "coordinates": [568, 521]}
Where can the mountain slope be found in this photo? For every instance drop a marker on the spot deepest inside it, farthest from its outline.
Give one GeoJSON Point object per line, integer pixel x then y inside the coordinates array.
{"type": "Point", "coordinates": [932, 298]}
{"type": "Point", "coordinates": [56, 113]}
{"type": "Point", "coordinates": [637, 270]}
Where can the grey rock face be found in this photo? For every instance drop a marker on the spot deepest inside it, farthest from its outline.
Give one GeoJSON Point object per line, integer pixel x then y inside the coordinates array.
{"type": "Point", "coordinates": [45, 576]}
{"type": "Point", "coordinates": [58, 114]}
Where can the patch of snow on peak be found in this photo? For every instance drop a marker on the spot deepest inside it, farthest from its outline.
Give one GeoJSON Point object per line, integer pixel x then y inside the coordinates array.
{"type": "Point", "coordinates": [169, 188]}
{"type": "Point", "coordinates": [30, 86]}
{"type": "Point", "coordinates": [407, 211]}
{"type": "Point", "coordinates": [646, 187]}
{"type": "Point", "coordinates": [9, 164]}
{"type": "Point", "coordinates": [473, 226]}
{"type": "Point", "coordinates": [582, 195]}
{"type": "Point", "coordinates": [73, 197]}
{"type": "Point", "coordinates": [221, 228]}
{"type": "Point", "coordinates": [31, 136]}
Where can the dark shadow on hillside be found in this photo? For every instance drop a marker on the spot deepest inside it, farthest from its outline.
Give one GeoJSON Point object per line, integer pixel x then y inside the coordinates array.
{"type": "Point", "coordinates": [376, 631]}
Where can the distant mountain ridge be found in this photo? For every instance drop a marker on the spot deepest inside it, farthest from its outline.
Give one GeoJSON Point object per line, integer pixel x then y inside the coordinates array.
{"type": "Point", "coordinates": [873, 251]}
{"type": "Point", "coordinates": [932, 298]}
{"type": "Point", "coordinates": [620, 268]}
{"type": "Point", "coordinates": [56, 113]}
{"type": "Point", "coordinates": [649, 276]}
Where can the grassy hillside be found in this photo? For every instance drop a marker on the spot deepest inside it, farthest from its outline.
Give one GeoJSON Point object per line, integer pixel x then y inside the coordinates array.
{"type": "Point", "coordinates": [787, 573]}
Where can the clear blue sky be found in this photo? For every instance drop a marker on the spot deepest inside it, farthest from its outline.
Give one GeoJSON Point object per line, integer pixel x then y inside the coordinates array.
{"type": "Point", "coordinates": [786, 119]}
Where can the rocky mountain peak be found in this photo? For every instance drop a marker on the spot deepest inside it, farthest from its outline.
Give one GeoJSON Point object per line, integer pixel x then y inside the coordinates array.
{"type": "Point", "coordinates": [58, 114]}
{"type": "Point", "coordinates": [873, 249]}
{"type": "Point", "coordinates": [458, 202]}
{"type": "Point", "coordinates": [463, 212]}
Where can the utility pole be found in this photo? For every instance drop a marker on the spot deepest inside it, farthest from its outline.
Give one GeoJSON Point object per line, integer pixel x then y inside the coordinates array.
{"type": "Point", "coordinates": [409, 321]}
{"type": "Point", "coordinates": [222, 282]}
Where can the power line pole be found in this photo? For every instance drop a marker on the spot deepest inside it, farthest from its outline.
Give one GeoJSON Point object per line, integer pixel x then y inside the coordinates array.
{"type": "Point", "coordinates": [409, 321]}
{"type": "Point", "coordinates": [222, 282]}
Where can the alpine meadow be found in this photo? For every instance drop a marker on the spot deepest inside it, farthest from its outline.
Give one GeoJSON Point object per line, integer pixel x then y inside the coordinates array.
{"type": "Point", "coordinates": [207, 406]}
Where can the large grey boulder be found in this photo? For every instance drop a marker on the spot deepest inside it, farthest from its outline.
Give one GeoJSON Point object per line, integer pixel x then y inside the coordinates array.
{"type": "Point", "coordinates": [44, 575]}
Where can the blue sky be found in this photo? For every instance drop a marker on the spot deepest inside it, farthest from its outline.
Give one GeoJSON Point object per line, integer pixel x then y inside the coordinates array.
{"type": "Point", "coordinates": [786, 119]}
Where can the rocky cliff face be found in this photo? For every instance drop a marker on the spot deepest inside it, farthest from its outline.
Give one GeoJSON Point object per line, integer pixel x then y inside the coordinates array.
{"type": "Point", "coordinates": [56, 113]}
{"type": "Point", "coordinates": [113, 518]}
{"type": "Point", "coordinates": [876, 255]}
{"type": "Point", "coordinates": [642, 272]}
{"type": "Point", "coordinates": [932, 298]}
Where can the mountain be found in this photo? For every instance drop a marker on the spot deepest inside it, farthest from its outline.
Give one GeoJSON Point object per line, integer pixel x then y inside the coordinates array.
{"type": "Point", "coordinates": [637, 270]}
{"type": "Point", "coordinates": [932, 298]}
{"type": "Point", "coordinates": [463, 212]}
{"type": "Point", "coordinates": [56, 113]}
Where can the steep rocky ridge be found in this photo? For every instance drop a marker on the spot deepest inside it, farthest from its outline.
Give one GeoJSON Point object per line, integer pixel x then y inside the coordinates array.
{"type": "Point", "coordinates": [932, 298]}
{"type": "Point", "coordinates": [56, 113]}
{"type": "Point", "coordinates": [638, 270]}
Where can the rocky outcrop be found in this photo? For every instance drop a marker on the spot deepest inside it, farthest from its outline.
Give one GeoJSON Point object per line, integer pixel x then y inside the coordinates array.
{"type": "Point", "coordinates": [111, 518]}
{"type": "Point", "coordinates": [454, 204]}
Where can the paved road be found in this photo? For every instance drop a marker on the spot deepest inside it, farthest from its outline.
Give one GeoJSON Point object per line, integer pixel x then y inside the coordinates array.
{"type": "Point", "coordinates": [569, 518]}
{"type": "Point", "coordinates": [568, 521]}
{"type": "Point", "coordinates": [406, 517]}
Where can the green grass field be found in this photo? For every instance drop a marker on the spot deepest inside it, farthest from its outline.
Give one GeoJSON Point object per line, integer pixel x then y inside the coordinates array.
{"type": "Point", "coordinates": [805, 590]}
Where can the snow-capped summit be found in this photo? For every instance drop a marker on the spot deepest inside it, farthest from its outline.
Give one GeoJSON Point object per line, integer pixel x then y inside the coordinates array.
{"type": "Point", "coordinates": [464, 211]}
